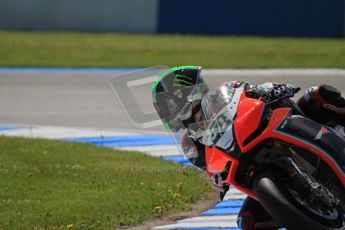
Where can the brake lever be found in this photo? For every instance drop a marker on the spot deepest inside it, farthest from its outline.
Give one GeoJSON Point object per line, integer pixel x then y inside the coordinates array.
{"type": "Point", "coordinates": [279, 99]}
{"type": "Point", "coordinates": [296, 90]}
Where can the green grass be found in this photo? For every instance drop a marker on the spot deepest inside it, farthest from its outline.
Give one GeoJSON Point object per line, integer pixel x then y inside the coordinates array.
{"type": "Point", "coordinates": [67, 49]}
{"type": "Point", "coordinates": [51, 184]}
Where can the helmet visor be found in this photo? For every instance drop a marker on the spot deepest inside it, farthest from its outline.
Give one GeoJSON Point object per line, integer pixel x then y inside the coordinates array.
{"type": "Point", "coordinates": [177, 106]}
{"type": "Point", "coordinates": [193, 101]}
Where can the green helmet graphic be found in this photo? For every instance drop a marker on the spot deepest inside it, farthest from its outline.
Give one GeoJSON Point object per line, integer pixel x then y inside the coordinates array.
{"type": "Point", "coordinates": [173, 94]}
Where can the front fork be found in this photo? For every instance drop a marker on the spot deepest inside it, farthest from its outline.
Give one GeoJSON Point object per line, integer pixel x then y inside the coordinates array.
{"type": "Point", "coordinates": [305, 185]}
{"type": "Point", "coordinates": [300, 178]}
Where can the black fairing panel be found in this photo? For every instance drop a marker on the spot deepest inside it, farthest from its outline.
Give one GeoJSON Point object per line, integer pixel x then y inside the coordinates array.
{"type": "Point", "coordinates": [320, 136]}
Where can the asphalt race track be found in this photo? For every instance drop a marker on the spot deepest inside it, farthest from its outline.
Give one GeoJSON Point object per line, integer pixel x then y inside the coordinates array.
{"type": "Point", "coordinates": [86, 99]}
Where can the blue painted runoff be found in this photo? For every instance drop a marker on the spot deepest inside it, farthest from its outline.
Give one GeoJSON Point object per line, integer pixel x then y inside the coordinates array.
{"type": "Point", "coordinates": [229, 204]}
{"type": "Point", "coordinates": [47, 70]}
{"type": "Point", "coordinates": [185, 228]}
{"type": "Point", "coordinates": [6, 128]}
{"type": "Point", "coordinates": [126, 141]}
{"type": "Point", "coordinates": [221, 211]}
{"type": "Point", "coordinates": [231, 228]}
{"type": "Point", "coordinates": [178, 159]}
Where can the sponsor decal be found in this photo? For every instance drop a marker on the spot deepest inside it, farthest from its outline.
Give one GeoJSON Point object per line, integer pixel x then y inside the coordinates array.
{"type": "Point", "coordinates": [212, 157]}
{"type": "Point", "coordinates": [230, 92]}
{"type": "Point", "coordinates": [323, 131]}
{"type": "Point", "coordinates": [292, 171]}
{"type": "Point", "coordinates": [182, 81]}
{"type": "Point", "coordinates": [246, 114]}
{"type": "Point", "coordinates": [178, 93]}
{"type": "Point", "coordinates": [334, 108]}
{"type": "Point", "coordinates": [284, 124]}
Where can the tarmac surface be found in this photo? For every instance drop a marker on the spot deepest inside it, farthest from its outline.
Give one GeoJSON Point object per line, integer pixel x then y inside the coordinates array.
{"type": "Point", "coordinates": [87, 100]}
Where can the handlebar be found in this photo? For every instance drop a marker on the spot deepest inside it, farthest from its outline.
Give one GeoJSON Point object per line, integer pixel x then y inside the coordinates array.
{"type": "Point", "coordinates": [281, 92]}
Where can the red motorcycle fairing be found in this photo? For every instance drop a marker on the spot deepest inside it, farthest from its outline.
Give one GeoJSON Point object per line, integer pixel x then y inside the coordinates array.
{"type": "Point", "coordinates": [249, 113]}
{"type": "Point", "coordinates": [216, 161]}
{"type": "Point", "coordinates": [247, 122]}
{"type": "Point", "coordinates": [249, 116]}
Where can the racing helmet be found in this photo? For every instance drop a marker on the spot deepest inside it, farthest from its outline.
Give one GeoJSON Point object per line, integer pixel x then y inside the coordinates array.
{"type": "Point", "coordinates": [177, 95]}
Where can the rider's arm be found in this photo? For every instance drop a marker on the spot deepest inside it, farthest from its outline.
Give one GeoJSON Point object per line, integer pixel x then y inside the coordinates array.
{"type": "Point", "coordinates": [194, 151]}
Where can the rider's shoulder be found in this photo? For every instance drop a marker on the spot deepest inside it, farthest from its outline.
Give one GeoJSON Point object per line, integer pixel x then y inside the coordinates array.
{"type": "Point", "coordinates": [237, 84]}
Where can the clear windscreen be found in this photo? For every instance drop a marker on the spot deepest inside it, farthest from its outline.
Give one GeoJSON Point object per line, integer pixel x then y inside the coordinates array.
{"type": "Point", "coordinates": [210, 125]}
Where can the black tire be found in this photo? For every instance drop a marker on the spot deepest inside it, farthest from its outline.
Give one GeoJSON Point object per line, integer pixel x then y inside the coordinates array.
{"type": "Point", "coordinates": [277, 203]}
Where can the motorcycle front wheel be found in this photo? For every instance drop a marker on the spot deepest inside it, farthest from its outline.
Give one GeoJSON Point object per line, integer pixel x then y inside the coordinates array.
{"type": "Point", "coordinates": [289, 208]}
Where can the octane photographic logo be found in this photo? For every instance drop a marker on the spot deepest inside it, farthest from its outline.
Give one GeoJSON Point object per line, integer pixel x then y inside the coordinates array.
{"type": "Point", "coordinates": [133, 91]}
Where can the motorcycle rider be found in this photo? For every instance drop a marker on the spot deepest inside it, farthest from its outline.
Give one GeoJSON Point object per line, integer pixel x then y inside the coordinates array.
{"type": "Point", "coordinates": [181, 98]}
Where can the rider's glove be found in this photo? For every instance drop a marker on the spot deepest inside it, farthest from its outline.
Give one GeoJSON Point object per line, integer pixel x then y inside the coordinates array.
{"type": "Point", "coordinates": [189, 148]}
{"type": "Point", "coordinates": [282, 90]}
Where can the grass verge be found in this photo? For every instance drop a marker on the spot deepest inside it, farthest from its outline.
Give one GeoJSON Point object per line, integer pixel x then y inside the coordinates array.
{"type": "Point", "coordinates": [68, 49]}
{"type": "Point", "coordinates": [57, 185]}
